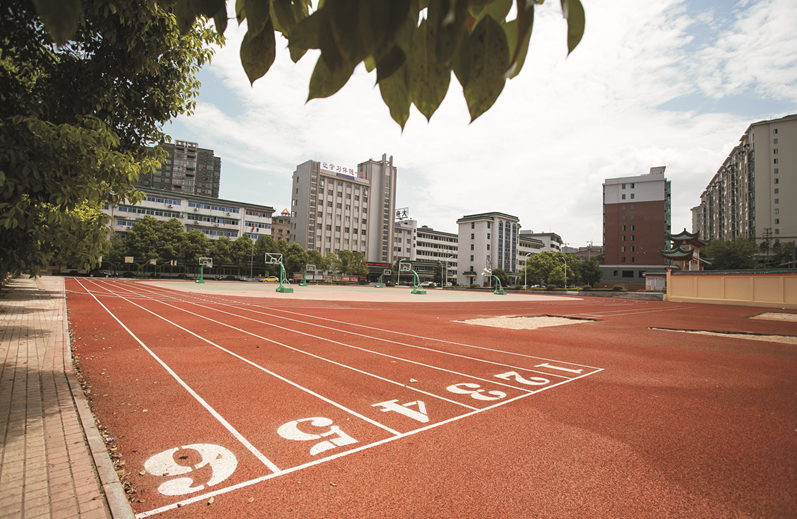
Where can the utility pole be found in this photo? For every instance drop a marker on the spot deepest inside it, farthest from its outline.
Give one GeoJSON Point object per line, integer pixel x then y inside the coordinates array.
{"type": "Point", "coordinates": [767, 237]}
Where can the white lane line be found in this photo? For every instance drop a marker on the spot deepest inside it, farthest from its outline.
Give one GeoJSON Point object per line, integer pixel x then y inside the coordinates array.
{"type": "Point", "coordinates": [503, 365]}
{"type": "Point", "coordinates": [623, 313]}
{"type": "Point", "coordinates": [489, 381]}
{"type": "Point", "coordinates": [261, 368]}
{"type": "Point", "coordinates": [433, 395]}
{"type": "Point", "coordinates": [251, 448]}
{"type": "Point", "coordinates": [427, 338]}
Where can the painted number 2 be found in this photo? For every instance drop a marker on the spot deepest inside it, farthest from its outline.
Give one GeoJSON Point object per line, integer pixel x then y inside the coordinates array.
{"type": "Point", "coordinates": [337, 438]}
{"type": "Point", "coordinates": [474, 391]}
{"type": "Point", "coordinates": [531, 381]}
{"type": "Point", "coordinates": [221, 461]}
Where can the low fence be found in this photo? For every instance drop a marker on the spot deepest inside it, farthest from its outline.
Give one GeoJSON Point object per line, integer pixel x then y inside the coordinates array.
{"type": "Point", "coordinates": [764, 288]}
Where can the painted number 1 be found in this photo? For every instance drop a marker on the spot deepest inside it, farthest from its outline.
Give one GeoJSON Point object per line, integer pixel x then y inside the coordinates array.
{"type": "Point", "coordinates": [337, 438]}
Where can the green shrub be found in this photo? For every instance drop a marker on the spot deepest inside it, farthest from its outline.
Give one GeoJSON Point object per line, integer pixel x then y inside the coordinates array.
{"type": "Point", "coordinates": [618, 288]}
{"type": "Point", "coordinates": [550, 287]}
{"type": "Point", "coordinates": [474, 286]}
{"type": "Point", "coordinates": [128, 274]}
{"type": "Point", "coordinates": [586, 288]}
{"type": "Point", "coordinates": [231, 278]}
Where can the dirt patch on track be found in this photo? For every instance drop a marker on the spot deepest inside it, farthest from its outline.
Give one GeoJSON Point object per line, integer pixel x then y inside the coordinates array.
{"type": "Point", "coordinates": [776, 316]}
{"type": "Point", "coordinates": [525, 322]}
{"type": "Point", "coordinates": [785, 339]}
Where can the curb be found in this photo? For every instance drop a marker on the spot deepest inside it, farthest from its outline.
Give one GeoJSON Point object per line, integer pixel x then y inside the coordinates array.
{"type": "Point", "coordinates": [115, 495]}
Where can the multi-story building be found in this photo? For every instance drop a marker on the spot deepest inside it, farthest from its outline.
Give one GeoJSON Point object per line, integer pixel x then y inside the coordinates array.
{"type": "Point", "coordinates": [212, 216]}
{"type": "Point", "coordinates": [438, 247]}
{"type": "Point", "coordinates": [405, 236]}
{"type": "Point", "coordinates": [189, 170]}
{"type": "Point", "coordinates": [551, 241]}
{"type": "Point", "coordinates": [636, 220]}
{"type": "Point", "coordinates": [486, 240]}
{"type": "Point", "coordinates": [336, 208]}
{"type": "Point", "coordinates": [749, 195]}
{"type": "Point", "coordinates": [586, 253]}
{"type": "Point", "coordinates": [281, 226]}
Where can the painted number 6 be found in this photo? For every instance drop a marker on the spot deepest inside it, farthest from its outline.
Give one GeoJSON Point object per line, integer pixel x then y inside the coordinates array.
{"type": "Point", "coordinates": [290, 431]}
{"type": "Point", "coordinates": [474, 392]}
{"type": "Point", "coordinates": [222, 463]}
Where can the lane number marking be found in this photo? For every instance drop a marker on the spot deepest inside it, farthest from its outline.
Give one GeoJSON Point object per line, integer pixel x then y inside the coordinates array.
{"type": "Point", "coordinates": [222, 463]}
{"type": "Point", "coordinates": [291, 431]}
{"type": "Point", "coordinates": [546, 365]}
{"type": "Point", "coordinates": [471, 389]}
{"type": "Point", "coordinates": [393, 405]}
{"type": "Point", "coordinates": [533, 381]}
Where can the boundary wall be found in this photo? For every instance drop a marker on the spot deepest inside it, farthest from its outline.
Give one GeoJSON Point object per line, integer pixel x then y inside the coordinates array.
{"type": "Point", "coordinates": [765, 288]}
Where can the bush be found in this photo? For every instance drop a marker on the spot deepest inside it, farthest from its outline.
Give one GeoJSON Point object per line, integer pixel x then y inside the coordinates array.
{"type": "Point", "coordinates": [128, 274]}
{"type": "Point", "coordinates": [586, 288]}
{"type": "Point", "coordinates": [231, 278]}
{"type": "Point", "coordinates": [550, 287]}
{"type": "Point", "coordinates": [73, 272]}
{"type": "Point", "coordinates": [618, 288]}
{"type": "Point", "coordinates": [517, 287]}
{"type": "Point", "coordinates": [474, 286]}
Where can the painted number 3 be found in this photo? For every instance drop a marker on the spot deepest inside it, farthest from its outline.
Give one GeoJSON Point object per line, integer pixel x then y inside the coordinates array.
{"type": "Point", "coordinates": [474, 392]}
{"type": "Point", "coordinates": [337, 438]}
{"type": "Point", "coordinates": [222, 464]}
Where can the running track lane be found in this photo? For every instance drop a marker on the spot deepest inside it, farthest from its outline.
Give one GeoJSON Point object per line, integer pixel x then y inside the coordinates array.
{"type": "Point", "coordinates": [174, 354]}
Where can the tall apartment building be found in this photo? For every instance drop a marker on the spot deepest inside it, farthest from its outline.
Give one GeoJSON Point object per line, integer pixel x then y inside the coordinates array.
{"type": "Point", "coordinates": [486, 240]}
{"type": "Point", "coordinates": [281, 226]}
{"type": "Point", "coordinates": [336, 208]}
{"type": "Point", "coordinates": [211, 216]}
{"type": "Point", "coordinates": [190, 170]}
{"type": "Point", "coordinates": [636, 220]}
{"type": "Point", "coordinates": [749, 195]}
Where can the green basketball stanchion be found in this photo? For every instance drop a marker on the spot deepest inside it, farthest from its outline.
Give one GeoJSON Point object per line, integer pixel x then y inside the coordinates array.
{"type": "Point", "coordinates": [203, 262]}
{"type": "Point", "coordinates": [276, 259]}
{"type": "Point", "coordinates": [386, 272]}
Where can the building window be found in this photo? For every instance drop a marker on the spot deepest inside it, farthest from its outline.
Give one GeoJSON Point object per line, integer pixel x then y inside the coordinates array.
{"type": "Point", "coordinates": [632, 197]}
{"type": "Point", "coordinates": [777, 191]}
{"type": "Point", "coordinates": [488, 225]}
{"type": "Point", "coordinates": [622, 249]}
{"type": "Point", "coordinates": [777, 231]}
{"type": "Point", "coordinates": [777, 221]}
{"type": "Point", "coordinates": [632, 249]}
{"type": "Point", "coordinates": [775, 151]}
{"type": "Point", "coordinates": [632, 217]}
{"type": "Point", "coordinates": [632, 205]}
{"type": "Point", "coordinates": [488, 235]}
{"type": "Point", "coordinates": [622, 238]}
{"type": "Point", "coordinates": [623, 186]}
{"type": "Point", "coordinates": [632, 186]}
{"type": "Point", "coordinates": [623, 259]}
{"type": "Point", "coordinates": [632, 237]}
{"type": "Point", "coordinates": [776, 171]}
{"type": "Point", "coordinates": [776, 161]}
{"type": "Point", "coordinates": [777, 211]}
{"type": "Point", "coordinates": [471, 247]}
{"type": "Point", "coordinates": [622, 217]}
{"type": "Point", "coordinates": [488, 245]}
{"type": "Point", "coordinates": [471, 257]}
{"type": "Point", "coordinates": [777, 200]}
{"type": "Point", "coordinates": [623, 207]}
{"type": "Point", "coordinates": [632, 227]}
{"type": "Point", "coordinates": [775, 131]}
{"type": "Point", "coordinates": [472, 225]}
{"type": "Point", "coordinates": [623, 197]}
{"type": "Point", "coordinates": [623, 227]}
{"type": "Point", "coordinates": [472, 235]}
{"type": "Point", "coordinates": [777, 181]}
{"type": "Point", "coordinates": [632, 259]}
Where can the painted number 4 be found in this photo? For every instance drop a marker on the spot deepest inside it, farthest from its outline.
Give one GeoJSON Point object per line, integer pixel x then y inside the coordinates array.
{"type": "Point", "coordinates": [337, 438]}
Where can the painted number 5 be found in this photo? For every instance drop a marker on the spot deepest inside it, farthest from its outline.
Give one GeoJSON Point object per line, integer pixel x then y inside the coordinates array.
{"type": "Point", "coordinates": [474, 392]}
{"type": "Point", "coordinates": [222, 464]}
{"type": "Point", "coordinates": [290, 431]}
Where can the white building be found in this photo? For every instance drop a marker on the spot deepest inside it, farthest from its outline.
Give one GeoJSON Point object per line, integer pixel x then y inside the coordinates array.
{"type": "Point", "coordinates": [526, 247]}
{"type": "Point", "coordinates": [486, 240]}
{"type": "Point", "coordinates": [551, 241]}
{"type": "Point", "coordinates": [336, 208]}
{"type": "Point", "coordinates": [212, 216]}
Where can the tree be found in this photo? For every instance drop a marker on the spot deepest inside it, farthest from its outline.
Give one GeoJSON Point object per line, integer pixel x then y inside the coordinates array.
{"type": "Point", "coordinates": [728, 255]}
{"type": "Point", "coordinates": [785, 255]}
{"type": "Point", "coordinates": [74, 119]}
{"type": "Point", "coordinates": [413, 61]}
{"type": "Point", "coordinates": [346, 259]}
{"type": "Point", "coordinates": [315, 258]}
{"type": "Point", "coordinates": [437, 275]}
{"type": "Point", "coordinates": [242, 252]}
{"type": "Point", "coordinates": [332, 262]}
{"type": "Point", "coordinates": [194, 244]}
{"type": "Point", "coordinates": [295, 259]}
{"type": "Point", "coordinates": [591, 272]}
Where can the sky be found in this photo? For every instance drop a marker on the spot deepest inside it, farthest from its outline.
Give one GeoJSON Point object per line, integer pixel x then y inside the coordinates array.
{"type": "Point", "coordinates": [670, 83]}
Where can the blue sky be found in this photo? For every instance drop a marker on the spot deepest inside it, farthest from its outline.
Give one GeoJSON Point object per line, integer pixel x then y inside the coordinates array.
{"type": "Point", "coordinates": [666, 83]}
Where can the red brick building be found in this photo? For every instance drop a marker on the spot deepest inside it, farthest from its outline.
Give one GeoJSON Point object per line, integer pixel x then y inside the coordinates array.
{"type": "Point", "coordinates": [636, 221]}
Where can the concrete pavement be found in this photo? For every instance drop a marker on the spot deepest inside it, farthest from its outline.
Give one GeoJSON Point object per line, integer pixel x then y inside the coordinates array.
{"type": "Point", "coordinates": [53, 461]}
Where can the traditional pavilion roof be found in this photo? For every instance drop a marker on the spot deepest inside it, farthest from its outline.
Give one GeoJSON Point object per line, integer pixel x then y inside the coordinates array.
{"type": "Point", "coordinates": [687, 238]}
{"type": "Point", "coordinates": [677, 253]}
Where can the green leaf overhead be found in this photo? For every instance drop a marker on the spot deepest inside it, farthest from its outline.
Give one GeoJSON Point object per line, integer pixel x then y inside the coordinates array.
{"type": "Point", "coordinates": [489, 61]}
{"type": "Point", "coordinates": [427, 81]}
{"type": "Point", "coordinates": [574, 14]}
{"type": "Point", "coordinates": [258, 52]}
{"type": "Point", "coordinates": [473, 38]}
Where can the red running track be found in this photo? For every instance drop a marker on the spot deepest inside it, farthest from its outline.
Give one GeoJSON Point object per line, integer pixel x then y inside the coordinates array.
{"type": "Point", "coordinates": [280, 408]}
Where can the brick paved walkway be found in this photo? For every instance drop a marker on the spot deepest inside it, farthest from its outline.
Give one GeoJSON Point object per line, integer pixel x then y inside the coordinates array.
{"type": "Point", "coordinates": [52, 458]}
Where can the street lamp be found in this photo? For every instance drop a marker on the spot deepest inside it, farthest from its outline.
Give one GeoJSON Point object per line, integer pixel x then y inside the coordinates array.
{"type": "Point", "coordinates": [444, 273]}
{"type": "Point", "coordinates": [565, 260]}
{"type": "Point", "coordinates": [526, 271]}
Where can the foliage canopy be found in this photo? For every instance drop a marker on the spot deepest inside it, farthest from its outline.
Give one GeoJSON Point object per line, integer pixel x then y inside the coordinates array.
{"type": "Point", "coordinates": [729, 255]}
{"type": "Point", "coordinates": [74, 119]}
{"type": "Point", "coordinates": [413, 55]}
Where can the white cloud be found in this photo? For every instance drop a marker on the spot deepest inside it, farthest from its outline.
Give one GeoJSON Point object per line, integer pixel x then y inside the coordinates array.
{"type": "Point", "coordinates": [543, 150]}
